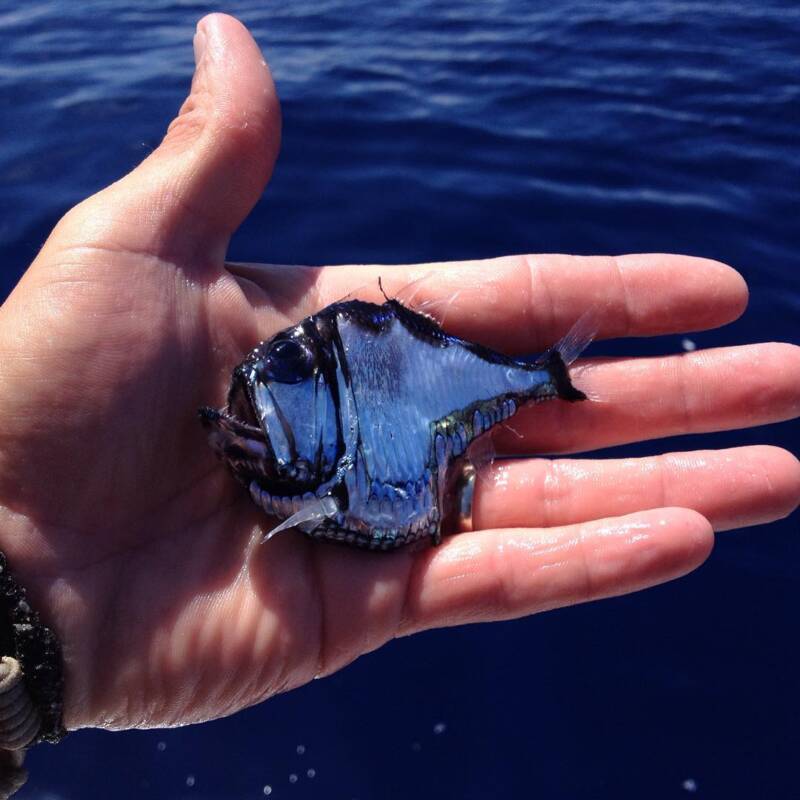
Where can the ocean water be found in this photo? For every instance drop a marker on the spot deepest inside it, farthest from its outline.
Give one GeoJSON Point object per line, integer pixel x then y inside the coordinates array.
{"type": "Point", "coordinates": [442, 129]}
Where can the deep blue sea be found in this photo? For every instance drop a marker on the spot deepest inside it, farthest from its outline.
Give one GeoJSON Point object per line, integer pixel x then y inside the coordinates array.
{"type": "Point", "coordinates": [421, 130]}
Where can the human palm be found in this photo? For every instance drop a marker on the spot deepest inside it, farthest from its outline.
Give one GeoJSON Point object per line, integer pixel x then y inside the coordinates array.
{"type": "Point", "coordinates": [143, 552]}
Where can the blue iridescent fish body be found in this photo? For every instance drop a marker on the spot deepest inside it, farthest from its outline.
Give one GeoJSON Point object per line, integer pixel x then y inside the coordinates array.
{"type": "Point", "coordinates": [349, 425]}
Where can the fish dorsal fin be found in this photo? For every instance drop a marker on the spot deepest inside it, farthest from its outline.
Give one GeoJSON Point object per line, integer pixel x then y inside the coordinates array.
{"type": "Point", "coordinates": [437, 308]}
{"type": "Point", "coordinates": [412, 296]}
{"type": "Point", "coordinates": [353, 294]}
{"type": "Point", "coordinates": [385, 286]}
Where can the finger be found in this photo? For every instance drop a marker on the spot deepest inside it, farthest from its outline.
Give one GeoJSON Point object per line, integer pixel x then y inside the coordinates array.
{"type": "Point", "coordinates": [186, 199]}
{"type": "Point", "coordinates": [648, 398]}
{"type": "Point", "coordinates": [502, 574]}
{"type": "Point", "coordinates": [524, 303]}
{"type": "Point", "coordinates": [730, 488]}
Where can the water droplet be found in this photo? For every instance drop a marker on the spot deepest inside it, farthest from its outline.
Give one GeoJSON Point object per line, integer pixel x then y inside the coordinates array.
{"type": "Point", "coordinates": [267, 790]}
{"type": "Point", "coordinates": [311, 773]}
{"type": "Point", "coordinates": [190, 781]}
{"type": "Point", "coordinates": [301, 748]}
{"type": "Point", "coordinates": [293, 778]}
{"type": "Point", "coordinates": [688, 345]}
{"type": "Point", "coordinates": [161, 747]}
{"type": "Point", "coordinates": [690, 785]}
{"type": "Point", "coordinates": [439, 728]}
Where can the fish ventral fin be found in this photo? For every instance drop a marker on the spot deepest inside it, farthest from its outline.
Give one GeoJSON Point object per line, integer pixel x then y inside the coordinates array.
{"type": "Point", "coordinates": [313, 513]}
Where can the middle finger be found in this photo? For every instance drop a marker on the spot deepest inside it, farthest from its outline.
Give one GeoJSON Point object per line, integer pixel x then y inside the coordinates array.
{"type": "Point", "coordinates": [730, 488]}
{"type": "Point", "coordinates": [633, 399]}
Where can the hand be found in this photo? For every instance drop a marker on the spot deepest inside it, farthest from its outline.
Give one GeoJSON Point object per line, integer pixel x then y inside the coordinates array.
{"type": "Point", "coordinates": [139, 548]}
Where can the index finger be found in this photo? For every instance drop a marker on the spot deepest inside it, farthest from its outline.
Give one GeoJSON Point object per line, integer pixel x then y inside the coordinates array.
{"type": "Point", "coordinates": [525, 303]}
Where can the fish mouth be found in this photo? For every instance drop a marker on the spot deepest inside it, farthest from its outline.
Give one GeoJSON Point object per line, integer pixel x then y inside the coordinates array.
{"type": "Point", "coordinates": [241, 444]}
{"type": "Point", "coordinates": [249, 454]}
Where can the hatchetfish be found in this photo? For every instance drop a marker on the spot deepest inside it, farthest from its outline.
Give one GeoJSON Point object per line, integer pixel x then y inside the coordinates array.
{"type": "Point", "coordinates": [350, 425]}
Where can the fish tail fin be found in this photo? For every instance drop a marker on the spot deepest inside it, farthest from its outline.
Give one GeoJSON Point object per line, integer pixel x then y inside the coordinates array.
{"type": "Point", "coordinates": [554, 363]}
{"type": "Point", "coordinates": [566, 351]}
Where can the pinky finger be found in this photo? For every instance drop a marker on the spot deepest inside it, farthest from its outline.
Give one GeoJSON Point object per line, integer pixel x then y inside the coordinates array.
{"type": "Point", "coordinates": [503, 574]}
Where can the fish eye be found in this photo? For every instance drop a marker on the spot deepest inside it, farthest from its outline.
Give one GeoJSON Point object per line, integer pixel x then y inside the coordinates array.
{"type": "Point", "coordinates": [289, 361]}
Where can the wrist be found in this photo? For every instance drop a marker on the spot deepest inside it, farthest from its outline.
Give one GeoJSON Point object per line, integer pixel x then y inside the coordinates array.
{"type": "Point", "coordinates": [33, 565]}
{"type": "Point", "coordinates": [37, 663]}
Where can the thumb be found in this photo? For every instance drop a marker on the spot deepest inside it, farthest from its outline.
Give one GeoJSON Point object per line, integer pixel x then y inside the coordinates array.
{"type": "Point", "coordinates": [186, 198]}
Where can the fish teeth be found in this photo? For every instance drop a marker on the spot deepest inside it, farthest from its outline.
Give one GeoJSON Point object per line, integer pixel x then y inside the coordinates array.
{"type": "Point", "coordinates": [477, 423]}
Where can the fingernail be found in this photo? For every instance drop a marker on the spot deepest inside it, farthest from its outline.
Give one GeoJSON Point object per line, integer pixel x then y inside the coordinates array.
{"type": "Point", "coordinates": [199, 43]}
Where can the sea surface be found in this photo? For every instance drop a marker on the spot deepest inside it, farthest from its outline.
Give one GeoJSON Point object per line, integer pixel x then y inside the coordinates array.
{"type": "Point", "coordinates": [421, 130]}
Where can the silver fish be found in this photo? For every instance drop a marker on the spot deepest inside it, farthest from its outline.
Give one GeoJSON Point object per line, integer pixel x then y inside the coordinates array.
{"type": "Point", "coordinates": [349, 424]}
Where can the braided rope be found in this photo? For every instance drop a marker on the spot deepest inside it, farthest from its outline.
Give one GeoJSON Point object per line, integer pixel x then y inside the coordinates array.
{"type": "Point", "coordinates": [19, 718]}
{"type": "Point", "coordinates": [35, 646]}
{"type": "Point", "coordinates": [20, 722]}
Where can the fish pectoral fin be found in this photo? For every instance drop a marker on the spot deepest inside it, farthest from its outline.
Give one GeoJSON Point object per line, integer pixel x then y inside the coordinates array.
{"type": "Point", "coordinates": [314, 512]}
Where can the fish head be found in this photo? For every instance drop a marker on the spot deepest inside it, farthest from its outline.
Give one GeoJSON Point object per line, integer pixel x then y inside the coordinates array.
{"type": "Point", "coordinates": [281, 426]}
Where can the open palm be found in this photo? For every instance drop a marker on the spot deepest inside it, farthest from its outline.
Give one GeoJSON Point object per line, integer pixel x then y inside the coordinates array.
{"type": "Point", "coordinates": [141, 550]}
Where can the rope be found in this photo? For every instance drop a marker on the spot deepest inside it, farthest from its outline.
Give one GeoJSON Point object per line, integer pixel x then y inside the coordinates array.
{"type": "Point", "coordinates": [19, 726]}
{"type": "Point", "coordinates": [19, 717]}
